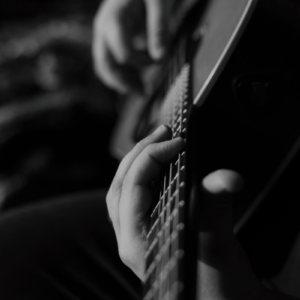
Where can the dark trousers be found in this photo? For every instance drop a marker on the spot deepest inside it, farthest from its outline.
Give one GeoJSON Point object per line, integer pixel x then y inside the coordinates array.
{"type": "Point", "coordinates": [62, 249]}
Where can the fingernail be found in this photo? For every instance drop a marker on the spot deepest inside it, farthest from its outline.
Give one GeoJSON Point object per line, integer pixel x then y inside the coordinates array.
{"type": "Point", "coordinates": [161, 128]}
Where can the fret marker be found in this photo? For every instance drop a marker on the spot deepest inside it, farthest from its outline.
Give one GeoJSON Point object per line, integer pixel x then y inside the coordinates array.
{"type": "Point", "coordinates": [180, 226]}
{"type": "Point", "coordinates": [179, 254]}
{"type": "Point", "coordinates": [182, 184]}
{"type": "Point", "coordinates": [181, 203]}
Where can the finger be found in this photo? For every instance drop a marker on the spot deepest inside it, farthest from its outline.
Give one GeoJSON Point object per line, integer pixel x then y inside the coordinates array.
{"type": "Point", "coordinates": [162, 133]}
{"type": "Point", "coordinates": [136, 195]}
{"type": "Point", "coordinates": [121, 78]}
{"type": "Point", "coordinates": [119, 41]}
{"type": "Point", "coordinates": [157, 27]}
{"type": "Point", "coordinates": [123, 46]}
{"type": "Point", "coordinates": [218, 189]}
{"type": "Point", "coordinates": [150, 162]}
{"type": "Point", "coordinates": [137, 198]}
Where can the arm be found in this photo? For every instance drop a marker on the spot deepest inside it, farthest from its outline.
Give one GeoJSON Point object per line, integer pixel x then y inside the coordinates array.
{"type": "Point", "coordinates": [224, 270]}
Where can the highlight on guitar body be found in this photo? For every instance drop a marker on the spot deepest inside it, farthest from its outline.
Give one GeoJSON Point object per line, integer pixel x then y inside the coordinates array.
{"type": "Point", "coordinates": [223, 92]}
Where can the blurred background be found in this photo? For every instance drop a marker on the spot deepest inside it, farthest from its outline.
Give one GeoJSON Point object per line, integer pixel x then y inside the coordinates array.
{"type": "Point", "coordinates": [56, 117]}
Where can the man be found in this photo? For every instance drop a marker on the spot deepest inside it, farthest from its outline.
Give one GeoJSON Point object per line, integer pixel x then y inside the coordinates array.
{"type": "Point", "coordinates": [67, 249]}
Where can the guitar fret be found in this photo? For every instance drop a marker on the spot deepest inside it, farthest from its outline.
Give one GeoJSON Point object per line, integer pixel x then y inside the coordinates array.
{"type": "Point", "coordinates": [162, 202]}
{"type": "Point", "coordinates": [165, 236]}
{"type": "Point", "coordinates": [155, 228]}
{"type": "Point", "coordinates": [158, 216]}
{"type": "Point", "coordinates": [170, 268]}
{"type": "Point", "coordinates": [172, 242]}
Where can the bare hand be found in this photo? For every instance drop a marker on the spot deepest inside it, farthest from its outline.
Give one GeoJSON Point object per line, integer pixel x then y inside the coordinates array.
{"type": "Point", "coordinates": [128, 35]}
{"type": "Point", "coordinates": [224, 271]}
{"type": "Point", "coordinates": [130, 197]}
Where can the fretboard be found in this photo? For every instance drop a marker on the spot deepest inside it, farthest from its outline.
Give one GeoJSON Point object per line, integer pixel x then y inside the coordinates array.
{"type": "Point", "coordinates": [166, 252]}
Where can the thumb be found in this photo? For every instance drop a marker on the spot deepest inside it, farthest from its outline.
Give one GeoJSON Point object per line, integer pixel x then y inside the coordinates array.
{"type": "Point", "coordinates": [223, 267]}
{"type": "Point", "coordinates": [218, 189]}
{"type": "Point", "coordinates": [157, 27]}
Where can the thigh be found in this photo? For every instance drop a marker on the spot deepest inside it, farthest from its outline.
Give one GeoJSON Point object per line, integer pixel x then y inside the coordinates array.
{"type": "Point", "coordinates": [62, 249]}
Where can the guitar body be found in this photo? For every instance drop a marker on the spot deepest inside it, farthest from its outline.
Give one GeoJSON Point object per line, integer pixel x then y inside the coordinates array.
{"type": "Point", "coordinates": [249, 122]}
{"type": "Point", "coordinates": [230, 89]}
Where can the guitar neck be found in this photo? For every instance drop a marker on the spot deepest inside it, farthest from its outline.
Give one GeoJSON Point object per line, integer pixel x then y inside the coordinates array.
{"type": "Point", "coordinates": [165, 255]}
{"type": "Point", "coordinates": [198, 56]}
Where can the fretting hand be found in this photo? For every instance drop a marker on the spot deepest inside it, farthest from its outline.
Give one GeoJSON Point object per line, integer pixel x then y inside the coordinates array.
{"type": "Point", "coordinates": [223, 269]}
{"type": "Point", "coordinates": [130, 197]}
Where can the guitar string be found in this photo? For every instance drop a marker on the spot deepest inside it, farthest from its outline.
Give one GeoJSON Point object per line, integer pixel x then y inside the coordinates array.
{"type": "Point", "coordinates": [176, 68]}
{"type": "Point", "coordinates": [165, 196]}
{"type": "Point", "coordinates": [175, 71]}
{"type": "Point", "coordinates": [168, 167]}
{"type": "Point", "coordinates": [171, 178]}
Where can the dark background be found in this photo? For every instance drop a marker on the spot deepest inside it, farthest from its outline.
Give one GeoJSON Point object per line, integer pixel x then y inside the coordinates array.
{"type": "Point", "coordinates": [56, 117]}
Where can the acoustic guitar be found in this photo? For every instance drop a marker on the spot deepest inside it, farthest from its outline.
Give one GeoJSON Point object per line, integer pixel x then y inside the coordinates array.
{"type": "Point", "coordinates": [229, 87]}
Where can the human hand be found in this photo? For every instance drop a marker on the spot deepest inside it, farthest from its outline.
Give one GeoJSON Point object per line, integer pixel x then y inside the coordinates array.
{"type": "Point", "coordinates": [224, 271]}
{"type": "Point", "coordinates": [129, 198]}
{"type": "Point", "coordinates": [129, 35]}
